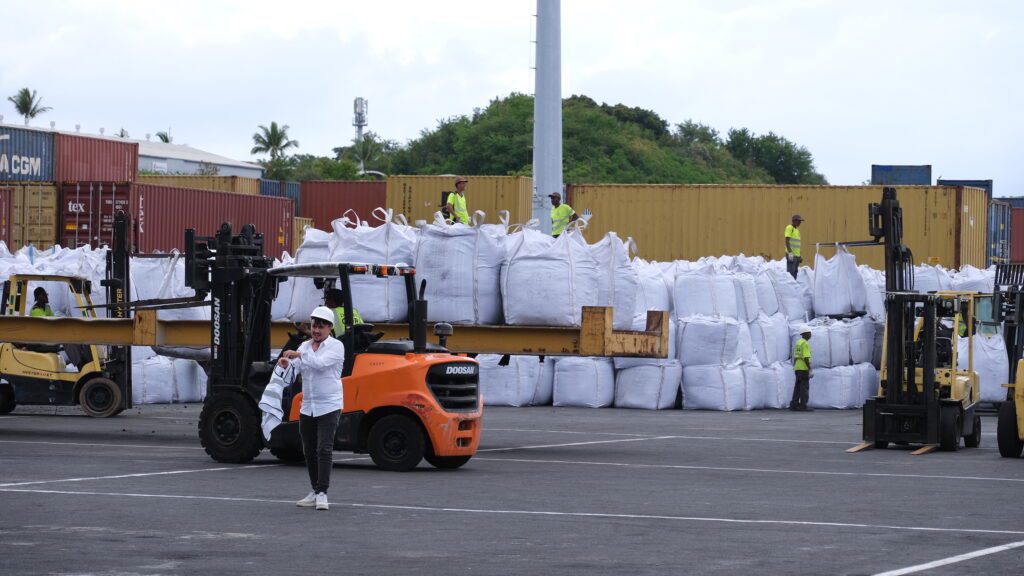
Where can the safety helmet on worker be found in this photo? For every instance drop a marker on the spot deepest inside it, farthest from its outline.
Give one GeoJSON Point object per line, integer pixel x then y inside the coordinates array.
{"type": "Point", "coordinates": [322, 313]}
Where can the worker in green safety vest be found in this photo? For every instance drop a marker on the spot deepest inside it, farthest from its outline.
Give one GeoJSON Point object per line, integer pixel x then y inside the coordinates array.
{"type": "Point", "coordinates": [561, 214]}
{"type": "Point", "coordinates": [455, 205]}
{"type": "Point", "coordinates": [793, 246]}
{"type": "Point", "coordinates": [333, 300]}
{"type": "Point", "coordinates": [802, 367]}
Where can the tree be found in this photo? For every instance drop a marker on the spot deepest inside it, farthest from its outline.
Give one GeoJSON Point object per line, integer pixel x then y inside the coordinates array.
{"type": "Point", "coordinates": [273, 140]}
{"type": "Point", "coordinates": [28, 104]}
{"type": "Point", "coordinates": [163, 137]}
{"type": "Point", "coordinates": [786, 162]}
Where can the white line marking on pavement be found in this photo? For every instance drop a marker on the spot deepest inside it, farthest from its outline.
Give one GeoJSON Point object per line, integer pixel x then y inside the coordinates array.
{"type": "Point", "coordinates": [745, 470]}
{"type": "Point", "coordinates": [101, 444]}
{"type": "Point", "coordinates": [565, 432]}
{"type": "Point", "coordinates": [138, 475]}
{"type": "Point", "coordinates": [952, 559]}
{"type": "Point", "coordinates": [843, 442]}
{"type": "Point", "coordinates": [574, 444]}
{"type": "Point", "coordinates": [550, 513]}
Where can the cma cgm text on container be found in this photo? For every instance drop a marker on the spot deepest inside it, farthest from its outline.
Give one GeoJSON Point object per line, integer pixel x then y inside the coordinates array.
{"type": "Point", "coordinates": [26, 155]}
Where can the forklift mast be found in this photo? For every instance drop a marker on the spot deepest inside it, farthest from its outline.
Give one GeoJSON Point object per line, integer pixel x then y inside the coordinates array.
{"type": "Point", "coordinates": [233, 271]}
{"type": "Point", "coordinates": [1008, 309]}
{"type": "Point", "coordinates": [886, 225]}
{"type": "Point", "coordinates": [118, 285]}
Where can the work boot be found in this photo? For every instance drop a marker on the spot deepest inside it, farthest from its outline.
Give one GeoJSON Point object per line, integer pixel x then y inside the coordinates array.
{"type": "Point", "coordinates": [321, 501]}
{"type": "Point", "coordinates": [307, 502]}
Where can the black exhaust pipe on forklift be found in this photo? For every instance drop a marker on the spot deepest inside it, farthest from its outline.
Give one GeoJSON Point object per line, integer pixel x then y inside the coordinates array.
{"type": "Point", "coordinates": [419, 321]}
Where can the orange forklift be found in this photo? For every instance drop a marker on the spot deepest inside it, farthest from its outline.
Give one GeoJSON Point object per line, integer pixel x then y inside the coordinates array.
{"type": "Point", "coordinates": [405, 399]}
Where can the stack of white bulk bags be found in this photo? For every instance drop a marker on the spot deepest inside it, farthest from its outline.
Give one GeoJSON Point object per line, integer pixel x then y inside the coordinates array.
{"type": "Point", "coordinates": [838, 285]}
{"type": "Point", "coordinates": [547, 281]}
{"type": "Point", "coordinates": [931, 278]}
{"type": "Point", "coordinates": [841, 356]}
{"type": "Point", "coordinates": [316, 247]}
{"type": "Point", "coordinates": [462, 267]}
{"type": "Point", "coordinates": [393, 242]}
{"type": "Point", "coordinates": [584, 381]}
{"type": "Point", "coordinates": [971, 279]}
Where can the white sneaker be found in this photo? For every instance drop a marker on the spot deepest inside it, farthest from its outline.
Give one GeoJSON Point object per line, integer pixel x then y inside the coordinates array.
{"type": "Point", "coordinates": [321, 501]}
{"type": "Point", "coordinates": [308, 501]}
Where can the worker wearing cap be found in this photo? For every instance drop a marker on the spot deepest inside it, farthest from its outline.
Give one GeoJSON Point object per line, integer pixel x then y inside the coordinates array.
{"type": "Point", "coordinates": [793, 259]}
{"type": "Point", "coordinates": [802, 367]}
{"type": "Point", "coordinates": [42, 304]}
{"type": "Point", "coordinates": [320, 361]}
{"type": "Point", "coordinates": [561, 214]}
{"type": "Point", "coordinates": [456, 202]}
{"type": "Point", "coordinates": [333, 300]}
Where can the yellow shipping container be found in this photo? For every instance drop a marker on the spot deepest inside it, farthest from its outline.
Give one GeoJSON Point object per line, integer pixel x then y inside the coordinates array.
{"type": "Point", "coordinates": [946, 224]}
{"type": "Point", "coordinates": [299, 232]}
{"type": "Point", "coordinates": [34, 214]}
{"type": "Point", "coordinates": [233, 184]}
{"type": "Point", "coordinates": [419, 197]}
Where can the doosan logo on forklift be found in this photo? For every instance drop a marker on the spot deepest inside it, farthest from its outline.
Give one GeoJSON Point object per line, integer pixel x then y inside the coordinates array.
{"type": "Point", "coordinates": [216, 326]}
{"type": "Point", "coordinates": [457, 370]}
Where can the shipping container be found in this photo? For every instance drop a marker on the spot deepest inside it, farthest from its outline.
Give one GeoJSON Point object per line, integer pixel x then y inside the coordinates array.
{"type": "Point", "coordinates": [886, 175]}
{"type": "Point", "coordinates": [419, 197]}
{"type": "Point", "coordinates": [26, 155]}
{"type": "Point", "coordinates": [33, 214]}
{"type": "Point", "coordinates": [88, 209]}
{"type": "Point", "coordinates": [164, 212]}
{"type": "Point", "coordinates": [282, 189]}
{"type": "Point", "coordinates": [986, 185]}
{"type": "Point", "coordinates": [94, 159]}
{"type": "Point", "coordinates": [326, 200]}
{"type": "Point", "coordinates": [999, 232]}
{"type": "Point", "coordinates": [233, 184]}
{"type": "Point", "coordinates": [270, 188]}
{"type": "Point", "coordinates": [1017, 240]}
{"type": "Point", "coordinates": [1013, 201]}
{"type": "Point", "coordinates": [947, 225]}
{"type": "Point", "coordinates": [299, 231]}
{"type": "Point", "coordinates": [6, 215]}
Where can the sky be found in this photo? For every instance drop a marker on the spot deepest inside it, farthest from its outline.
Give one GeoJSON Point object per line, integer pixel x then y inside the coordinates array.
{"type": "Point", "coordinates": [856, 83]}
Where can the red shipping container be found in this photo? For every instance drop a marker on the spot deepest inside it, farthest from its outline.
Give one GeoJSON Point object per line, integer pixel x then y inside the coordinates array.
{"type": "Point", "coordinates": [1017, 235]}
{"type": "Point", "coordinates": [87, 159]}
{"type": "Point", "coordinates": [164, 212]}
{"type": "Point", "coordinates": [87, 212]}
{"type": "Point", "coordinates": [326, 200]}
{"type": "Point", "coordinates": [6, 216]}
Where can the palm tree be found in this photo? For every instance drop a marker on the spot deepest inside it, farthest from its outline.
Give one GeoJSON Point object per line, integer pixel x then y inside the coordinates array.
{"type": "Point", "coordinates": [163, 137]}
{"type": "Point", "coordinates": [27, 105]}
{"type": "Point", "coordinates": [366, 150]}
{"type": "Point", "coordinates": [273, 140]}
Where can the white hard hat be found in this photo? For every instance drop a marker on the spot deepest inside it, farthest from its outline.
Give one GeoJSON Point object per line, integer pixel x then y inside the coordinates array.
{"type": "Point", "coordinates": [323, 313]}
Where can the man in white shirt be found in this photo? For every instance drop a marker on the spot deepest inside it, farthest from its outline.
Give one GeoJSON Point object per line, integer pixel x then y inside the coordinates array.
{"type": "Point", "coordinates": [320, 360]}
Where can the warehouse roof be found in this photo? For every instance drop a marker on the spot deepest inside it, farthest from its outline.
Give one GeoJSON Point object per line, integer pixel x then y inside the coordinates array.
{"type": "Point", "coordinates": [183, 152]}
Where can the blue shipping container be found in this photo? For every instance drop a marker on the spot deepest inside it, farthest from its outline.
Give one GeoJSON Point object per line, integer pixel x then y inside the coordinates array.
{"type": "Point", "coordinates": [886, 175]}
{"type": "Point", "coordinates": [999, 231]}
{"type": "Point", "coordinates": [1014, 201]}
{"type": "Point", "coordinates": [293, 190]}
{"type": "Point", "coordinates": [26, 155]}
{"type": "Point", "coordinates": [986, 184]}
{"type": "Point", "coordinates": [270, 188]}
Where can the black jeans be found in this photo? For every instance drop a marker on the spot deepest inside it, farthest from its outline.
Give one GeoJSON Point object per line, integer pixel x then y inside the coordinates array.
{"type": "Point", "coordinates": [802, 389]}
{"type": "Point", "coordinates": [318, 447]}
{"type": "Point", "coordinates": [793, 267]}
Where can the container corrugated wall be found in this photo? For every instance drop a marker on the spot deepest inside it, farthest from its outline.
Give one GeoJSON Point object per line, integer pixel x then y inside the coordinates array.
{"type": "Point", "coordinates": [984, 184]}
{"type": "Point", "coordinates": [6, 215]}
{"type": "Point", "coordinates": [164, 212]}
{"type": "Point", "coordinates": [687, 222]}
{"type": "Point", "coordinates": [419, 197]}
{"type": "Point", "coordinates": [85, 159]}
{"type": "Point", "coordinates": [1017, 240]}
{"type": "Point", "coordinates": [326, 200]}
{"type": "Point", "coordinates": [233, 184]}
{"type": "Point", "coordinates": [299, 232]}
{"type": "Point", "coordinates": [26, 155]}
{"type": "Point", "coordinates": [33, 214]}
{"type": "Point", "coordinates": [999, 232]}
{"type": "Point", "coordinates": [293, 190]}
{"type": "Point", "coordinates": [88, 209]}
{"type": "Point", "coordinates": [901, 175]}
{"type": "Point", "coordinates": [270, 188]}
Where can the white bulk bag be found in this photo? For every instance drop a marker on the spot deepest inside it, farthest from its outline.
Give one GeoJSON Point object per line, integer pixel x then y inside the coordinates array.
{"type": "Point", "coordinates": [839, 387]}
{"type": "Point", "coordinates": [584, 381]}
{"type": "Point", "coordinates": [514, 384]}
{"type": "Point", "coordinates": [931, 278]}
{"type": "Point", "coordinates": [153, 381]}
{"type": "Point", "coordinates": [316, 247]}
{"type": "Point", "coordinates": [767, 296]}
{"type": "Point", "coordinates": [653, 292]}
{"type": "Point", "coordinates": [462, 267]}
{"type": "Point", "coordinates": [869, 380]}
{"type": "Point", "coordinates": [617, 279]}
{"type": "Point", "coordinates": [707, 341]}
{"type": "Point", "coordinates": [393, 242]}
{"type": "Point", "coordinates": [805, 278]}
{"type": "Point", "coordinates": [779, 380]}
{"type": "Point", "coordinates": [547, 281]}
{"type": "Point", "coordinates": [770, 338]}
{"type": "Point", "coordinates": [747, 306]}
{"type": "Point", "coordinates": [714, 387]}
{"type": "Point", "coordinates": [874, 283]}
{"type": "Point", "coordinates": [838, 286]}
{"type": "Point", "coordinates": [971, 279]}
{"type": "Point", "coordinates": [545, 382]}
{"type": "Point", "coordinates": [283, 301]}
{"type": "Point", "coordinates": [651, 387]}
{"type": "Point", "coordinates": [830, 342]}
{"type": "Point", "coordinates": [990, 362]}
{"type": "Point", "coordinates": [879, 344]}
{"type": "Point", "coordinates": [758, 386]}
{"type": "Point", "coordinates": [704, 292]}
{"type": "Point", "coordinates": [862, 340]}
{"type": "Point", "coordinates": [187, 384]}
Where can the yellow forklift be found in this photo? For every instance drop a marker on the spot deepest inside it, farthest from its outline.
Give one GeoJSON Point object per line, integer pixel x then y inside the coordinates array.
{"type": "Point", "coordinates": [35, 374]}
{"type": "Point", "coordinates": [1008, 306]}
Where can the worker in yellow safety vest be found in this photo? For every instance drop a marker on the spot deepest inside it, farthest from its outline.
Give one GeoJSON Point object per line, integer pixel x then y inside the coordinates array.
{"type": "Point", "coordinates": [333, 300]}
{"type": "Point", "coordinates": [793, 246]}
{"type": "Point", "coordinates": [802, 367]}
{"type": "Point", "coordinates": [42, 305]}
{"type": "Point", "coordinates": [456, 202]}
{"type": "Point", "coordinates": [561, 214]}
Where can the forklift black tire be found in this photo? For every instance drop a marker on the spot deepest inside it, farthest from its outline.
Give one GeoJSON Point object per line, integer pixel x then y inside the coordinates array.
{"type": "Point", "coordinates": [949, 429]}
{"type": "Point", "coordinates": [100, 398]}
{"type": "Point", "coordinates": [447, 462]}
{"type": "Point", "coordinates": [1007, 435]}
{"type": "Point", "coordinates": [288, 455]}
{"type": "Point", "coordinates": [7, 403]}
{"type": "Point", "coordinates": [396, 443]}
{"type": "Point", "coordinates": [229, 428]}
{"type": "Point", "coordinates": [881, 444]}
{"type": "Point", "coordinates": [974, 440]}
